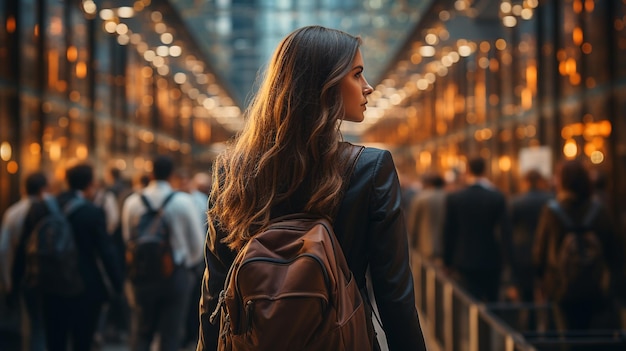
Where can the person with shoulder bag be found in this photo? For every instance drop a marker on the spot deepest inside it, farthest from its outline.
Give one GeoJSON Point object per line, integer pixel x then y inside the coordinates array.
{"type": "Point", "coordinates": [67, 259]}
{"type": "Point", "coordinates": [289, 166]}
{"type": "Point", "coordinates": [578, 254]}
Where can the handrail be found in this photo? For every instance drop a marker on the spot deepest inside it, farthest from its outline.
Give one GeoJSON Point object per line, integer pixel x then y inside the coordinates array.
{"type": "Point", "coordinates": [458, 321]}
{"type": "Point", "coordinates": [477, 311]}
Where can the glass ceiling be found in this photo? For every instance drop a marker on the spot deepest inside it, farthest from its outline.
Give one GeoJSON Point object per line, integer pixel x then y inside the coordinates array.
{"type": "Point", "coordinates": [238, 36]}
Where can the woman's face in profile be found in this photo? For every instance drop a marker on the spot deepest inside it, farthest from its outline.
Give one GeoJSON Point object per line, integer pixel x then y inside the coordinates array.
{"type": "Point", "coordinates": [354, 90]}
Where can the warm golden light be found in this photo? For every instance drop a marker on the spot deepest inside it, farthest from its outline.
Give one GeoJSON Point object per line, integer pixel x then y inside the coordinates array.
{"type": "Point", "coordinates": [596, 157]}
{"type": "Point", "coordinates": [570, 66]}
{"type": "Point", "coordinates": [494, 65]}
{"type": "Point", "coordinates": [90, 7]}
{"type": "Point", "coordinates": [53, 68]}
{"type": "Point", "coordinates": [5, 151]}
{"type": "Point", "coordinates": [570, 149]}
{"type": "Point", "coordinates": [11, 24]}
{"type": "Point", "coordinates": [577, 36]}
{"type": "Point", "coordinates": [148, 137]}
{"type": "Point", "coordinates": [110, 26]}
{"type": "Point", "coordinates": [35, 148]}
{"type": "Point", "coordinates": [604, 128]}
{"type": "Point", "coordinates": [138, 6]}
{"type": "Point", "coordinates": [504, 163]}
{"type": "Point", "coordinates": [577, 6]}
{"type": "Point", "coordinates": [425, 158]}
{"type": "Point", "coordinates": [72, 53]}
{"type": "Point", "coordinates": [12, 167]}
{"type": "Point", "coordinates": [577, 128]}
{"type": "Point", "coordinates": [427, 51]}
{"type": "Point", "coordinates": [531, 78]}
{"type": "Point", "coordinates": [81, 70]}
{"type": "Point", "coordinates": [485, 46]}
{"type": "Point", "coordinates": [416, 58]}
{"type": "Point", "coordinates": [509, 21]}
{"type": "Point", "coordinates": [82, 152]}
{"type": "Point", "coordinates": [55, 151]}
{"type": "Point", "coordinates": [501, 44]}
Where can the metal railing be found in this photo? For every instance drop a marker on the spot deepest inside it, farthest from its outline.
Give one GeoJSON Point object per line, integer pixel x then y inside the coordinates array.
{"type": "Point", "coordinates": [459, 322]}
{"type": "Point", "coordinates": [456, 320]}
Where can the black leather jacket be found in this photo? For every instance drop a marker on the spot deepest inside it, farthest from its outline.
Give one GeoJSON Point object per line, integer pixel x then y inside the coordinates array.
{"type": "Point", "coordinates": [371, 229]}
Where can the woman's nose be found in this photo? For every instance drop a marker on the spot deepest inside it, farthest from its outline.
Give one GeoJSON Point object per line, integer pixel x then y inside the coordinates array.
{"type": "Point", "coordinates": [367, 89]}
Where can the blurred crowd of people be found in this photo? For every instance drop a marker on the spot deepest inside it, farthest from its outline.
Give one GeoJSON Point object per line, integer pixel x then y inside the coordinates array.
{"type": "Point", "coordinates": [512, 248]}
{"type": "Point", "coordinates": [109, 307]}
{"type": "Point", "coordinates": [497, 247]}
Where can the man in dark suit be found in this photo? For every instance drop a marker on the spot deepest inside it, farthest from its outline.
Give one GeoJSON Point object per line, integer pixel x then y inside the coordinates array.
{"type": "Point", "coordinates": [477, 234]}
{"type": "Point", "coordinates": [525, 209]}
{"type": "Point", "coordinates": [75, 316]}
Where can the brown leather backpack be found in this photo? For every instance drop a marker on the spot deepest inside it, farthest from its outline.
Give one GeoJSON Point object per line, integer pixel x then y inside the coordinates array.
{"type": "Point", "coordinates": [290, 288]}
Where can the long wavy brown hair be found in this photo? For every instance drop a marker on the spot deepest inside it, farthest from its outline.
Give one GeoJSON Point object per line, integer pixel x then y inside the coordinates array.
{"type": "Point", "coordinates": [291, 136]}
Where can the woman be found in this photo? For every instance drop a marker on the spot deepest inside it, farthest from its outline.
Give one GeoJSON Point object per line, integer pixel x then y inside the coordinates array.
{"type": "Point", "coordinates": [286, 160]}
{"type": "Point", "coordinates": [585, 302]}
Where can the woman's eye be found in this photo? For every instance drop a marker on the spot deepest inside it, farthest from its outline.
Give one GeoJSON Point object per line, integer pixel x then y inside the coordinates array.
{"type": "Point", "coordinates": [358, 75]}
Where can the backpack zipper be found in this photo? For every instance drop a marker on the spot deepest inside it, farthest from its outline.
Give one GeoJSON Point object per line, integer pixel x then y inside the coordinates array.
{"type": "Point", "coordinates": [283, 262]}
{"type": "Point", "coordinates": [220, 302]}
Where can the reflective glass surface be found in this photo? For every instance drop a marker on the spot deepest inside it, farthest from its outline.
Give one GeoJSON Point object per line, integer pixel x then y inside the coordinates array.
{"type": "Point", "coordinates": [238, 36]}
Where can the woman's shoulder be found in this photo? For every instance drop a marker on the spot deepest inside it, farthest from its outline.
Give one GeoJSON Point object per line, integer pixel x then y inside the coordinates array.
{"type": "Point", "coordinates": [374, 165]}
{"type": "Point", "coordinates": [374, 158]}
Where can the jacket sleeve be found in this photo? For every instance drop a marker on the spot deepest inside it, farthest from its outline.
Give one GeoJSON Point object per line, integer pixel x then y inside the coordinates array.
{"type": "Point", "coordinates": [413, 223]}
{"type": "Point", "coordinates": [218, 258]}
{"type": "Point", "coordinates": [390, 270]}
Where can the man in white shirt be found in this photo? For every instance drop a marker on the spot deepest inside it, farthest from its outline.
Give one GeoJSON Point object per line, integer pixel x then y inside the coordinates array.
{"type": "Point", "coordinates": [162, 311]}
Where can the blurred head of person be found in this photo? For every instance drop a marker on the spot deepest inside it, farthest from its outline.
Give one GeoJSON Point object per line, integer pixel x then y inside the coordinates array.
{"type": "Point", "coordinates": [534, 180]}
{"type": "Point", "coordinates": [477, 166]}
{"type": "Point", "coordinates": [433, 180]}
{"type": "Point", "coordinates": [144, 180]}
{"type": "Point", "coordinates": [81, 178]}
{"type": "Point", "coordinates": [162, 167]}
{"type": "Point", "coordinates": [574, 178]}
{"type": "Point", "coordinates": [36, 184]}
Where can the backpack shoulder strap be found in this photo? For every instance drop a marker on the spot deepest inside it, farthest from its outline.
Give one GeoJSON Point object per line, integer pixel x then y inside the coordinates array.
{"type": "Point", "coordinates": [73, 205]}
{"type": "Point", "coordinates": [53, 206]}
{"type": "Point", "coordinates": [168, 198]}
{"type": "Point", "coordinates": [146, 202]}
{"type": "Point", "coordinates": [554, 205]}
{"type": "Point", "coordinates": [350, 155]}
{"type": "Point", "coordinates": [592, 213]}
